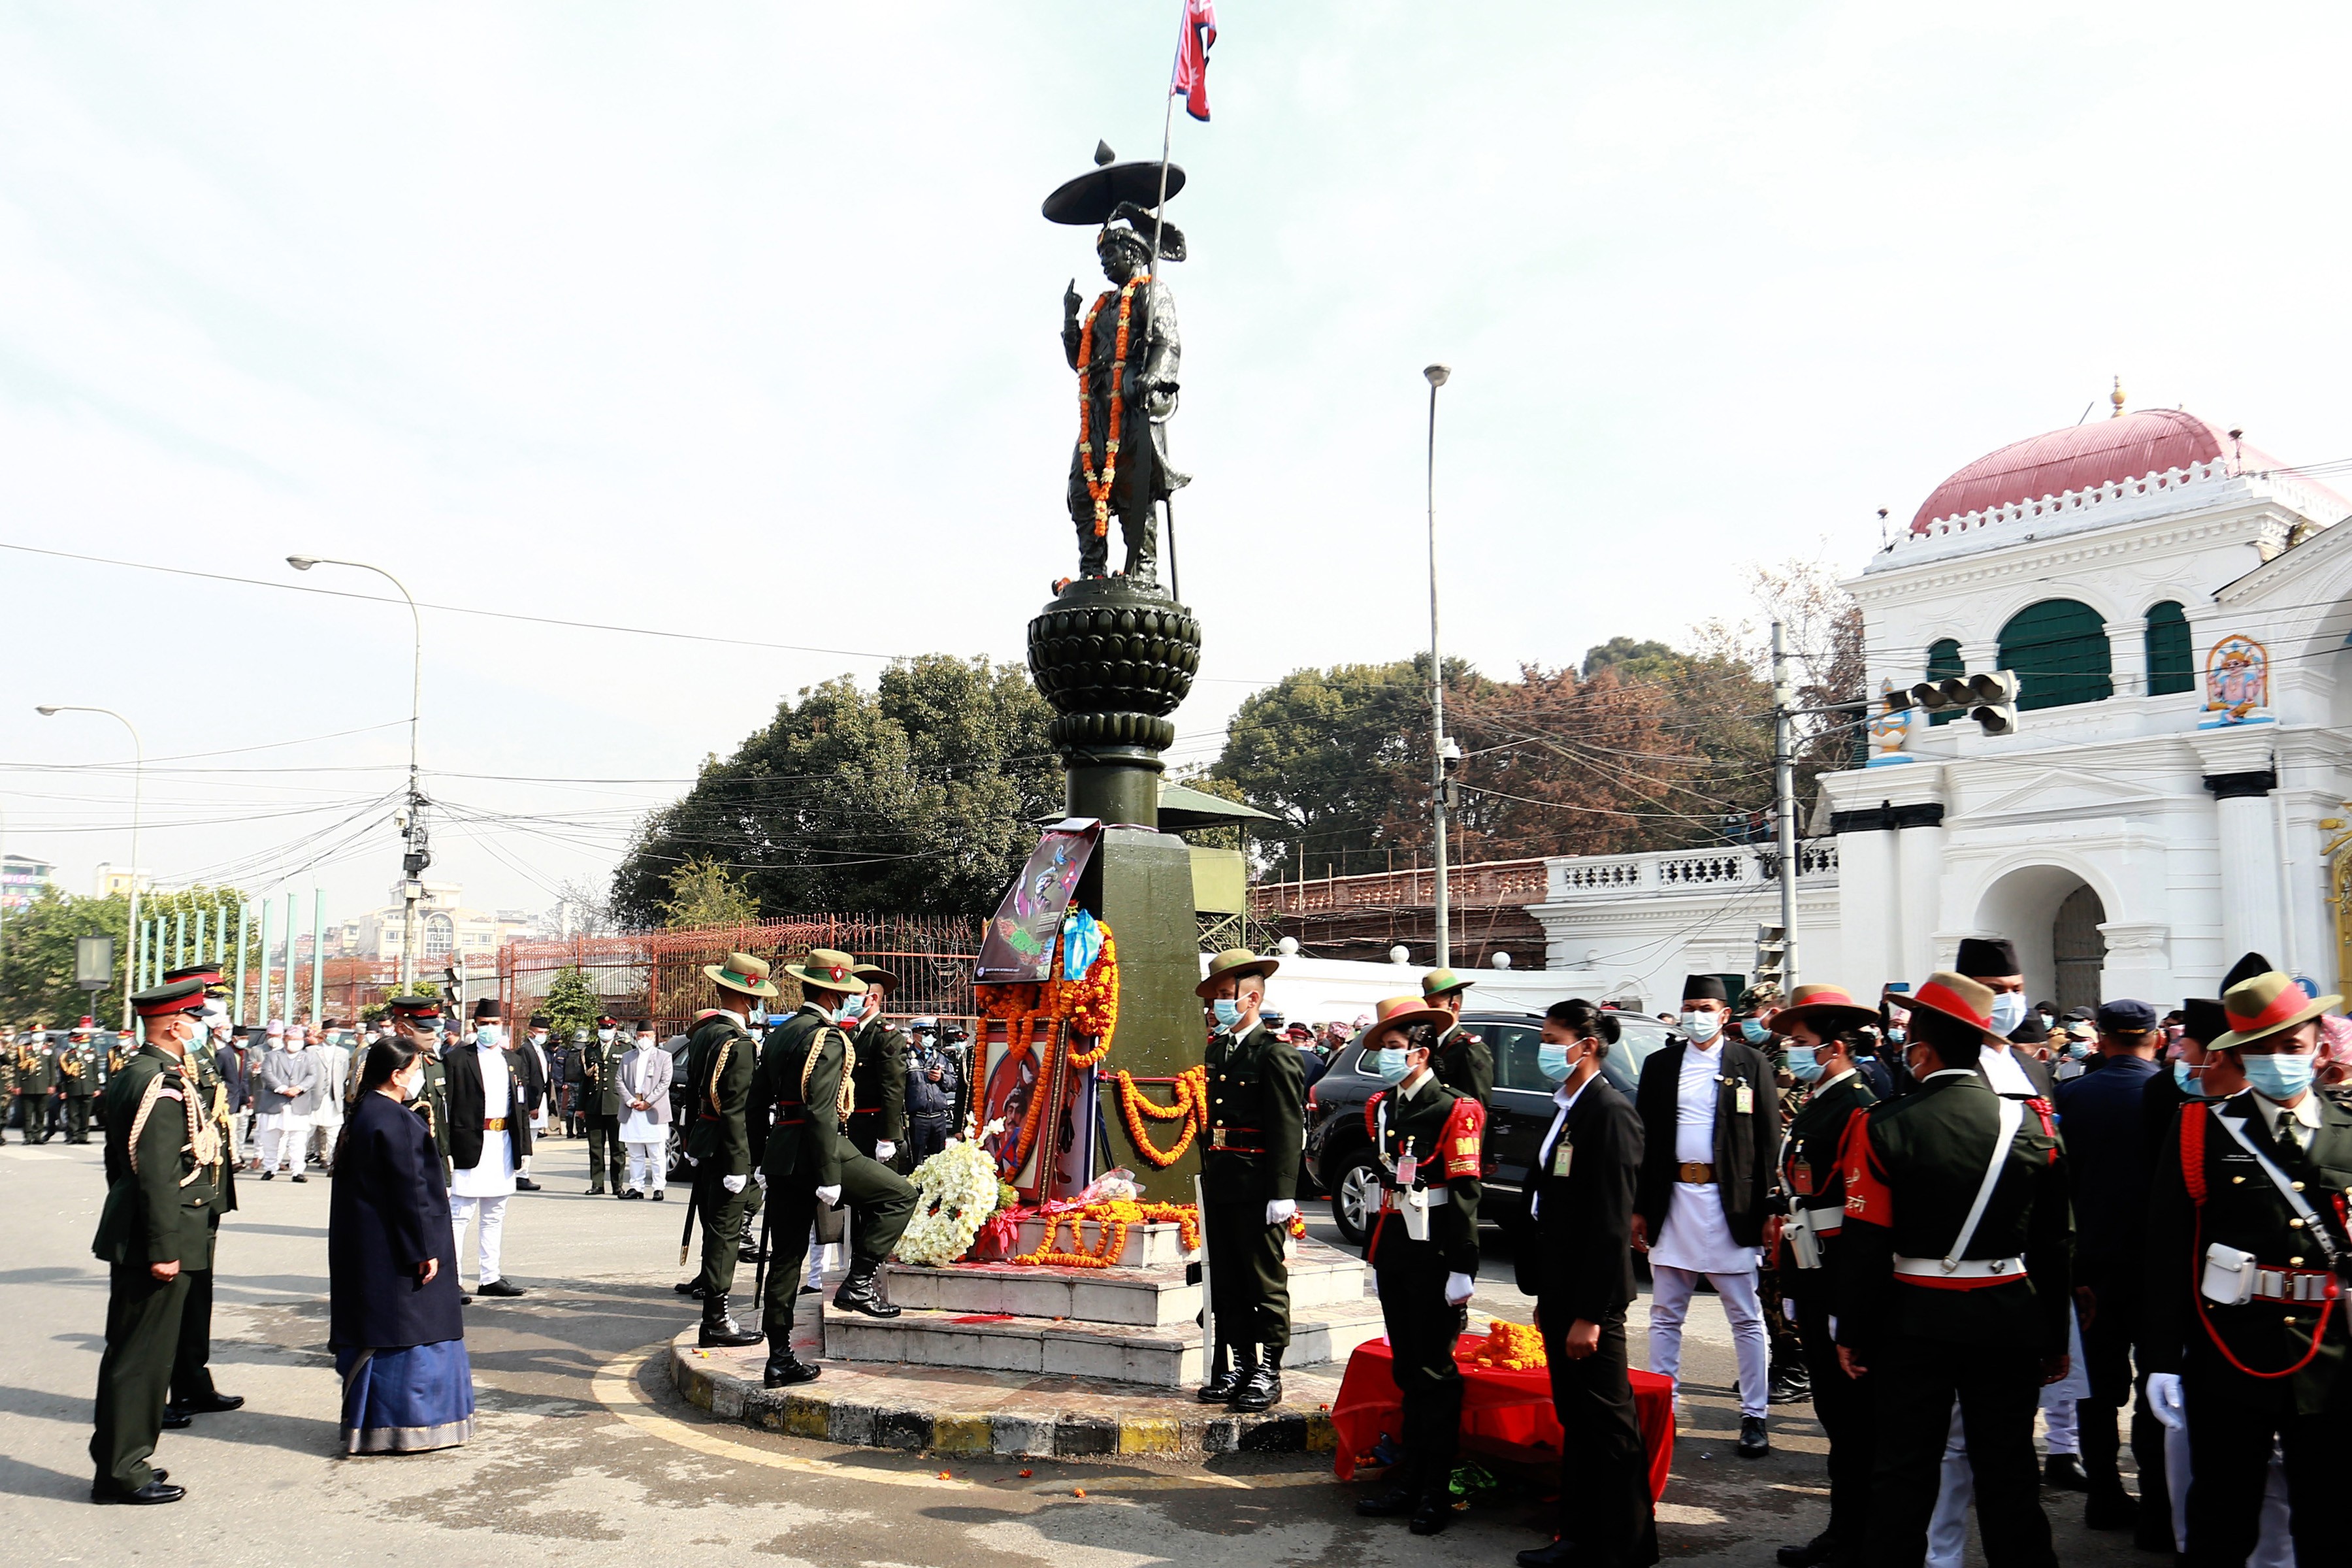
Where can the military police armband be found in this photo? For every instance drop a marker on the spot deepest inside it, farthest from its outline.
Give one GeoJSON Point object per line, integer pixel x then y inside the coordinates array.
{"type": "Point", "coordinates": [1466, 1125]}
{"type": "Point", "coordinates": [1866, 1195]}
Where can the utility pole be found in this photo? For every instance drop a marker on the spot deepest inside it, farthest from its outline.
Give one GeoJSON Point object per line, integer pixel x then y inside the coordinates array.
{"type": "Point", "coordinates": [1784, 803]}
{"type": "Point", "coordinates": [1439, 746]}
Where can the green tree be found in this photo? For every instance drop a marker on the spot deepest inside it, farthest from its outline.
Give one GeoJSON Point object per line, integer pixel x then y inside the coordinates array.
{"type": "Point", "coordinates": [704, 893]}
{"type": "Point", "coordinates": [1331, 753]}
{"type": "Point", "coordinates": [571, 1004]}
{"type": "Point", "coordinates": [37, 948]}
{"type": "Point", "coordinates": [921, 796]}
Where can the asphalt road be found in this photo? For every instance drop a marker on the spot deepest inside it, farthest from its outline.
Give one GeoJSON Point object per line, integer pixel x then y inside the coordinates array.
{"type": "Point", "coordinates": [584, 1459]}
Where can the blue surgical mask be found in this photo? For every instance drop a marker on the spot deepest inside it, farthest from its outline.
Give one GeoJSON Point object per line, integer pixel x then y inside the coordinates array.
{"type": "Point", "coordinates": [1803, 1066]}
{"type": "Point", "coordinates": [1701, 1025]}
{"type": "Point", "coordinates": [1552, 1062]}
{"type": "Point", "coordinates": [1753, 1031]}
{"type": "Point", "coordinates": [2189, 1079]}
{"type": "Point", "coordinates": [1227, 1010]}
{"type": "Point", "coordinates": [2008, 1011]}
{"type": "Point", "coordinates": [1391, 1063]}
{"type": "Point", "coordinates": [2280, 1077]}
{"type": "Point", "coordinates": [485, 1035]}
{"type": "Point", "coordinates": [1896, 1036]}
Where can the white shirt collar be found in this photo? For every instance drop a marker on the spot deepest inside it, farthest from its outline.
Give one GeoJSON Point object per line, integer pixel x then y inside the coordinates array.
{"type": "Point", "coordinates": [1410, 1089]}
{"type": "Point", "coordinates": [1831, 1083]}
{"type": "Point", "coordinates": [1566, 1097]}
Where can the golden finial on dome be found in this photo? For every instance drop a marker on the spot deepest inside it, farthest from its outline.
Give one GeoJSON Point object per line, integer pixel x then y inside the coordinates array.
{"type": "Point", "coordinates": [2117, 397]}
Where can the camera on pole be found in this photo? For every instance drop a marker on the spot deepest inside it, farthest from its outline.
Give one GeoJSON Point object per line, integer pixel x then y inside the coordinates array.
{"type": "Point", "coordinates": [1989, 698]}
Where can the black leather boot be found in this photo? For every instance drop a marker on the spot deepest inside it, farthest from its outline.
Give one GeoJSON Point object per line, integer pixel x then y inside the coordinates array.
{"type": "Point", "coordinates": [1222, 1379]}
{"type": "Point", "coordinates": [719, 1325]}
{"type": "Point", "coordinates": [860, 1292]}
{"type": "Point", "coordinates": [1261, 1388]}
{"type": "Point", "coordinates": [1245, 1368]}
{"type": "Point", "coordinates": [785, 1369]}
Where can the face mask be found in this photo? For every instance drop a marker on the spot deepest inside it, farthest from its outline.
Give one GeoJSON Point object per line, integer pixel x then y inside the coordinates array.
{"type": "Point", "coordinates": [1552, 1062]}
{"type": "Point", "coordinates": [605, 1037]}
{"type": "Point", "coordinates": [2279, 1077]}
{"type": "Point", "coordinates": [2008, 1011]}
{"type": "Point", "coordinates": [411, 1089]}
{"type": "Point", "coordinates": [1753, 1031]}
{"type": "Point", "coordinates": [1391, 1063]}
{"type": "Point", "coordinates": [1895, 1037]}
{"type": "Point", "coordinates": [1228, 1012]}
{"type": "Point", "coordinates": [644, 1042]}
{"type": "Point", "coordinates": [1804, 1066]}
{"type": "Point", "coordinates": [2189, 1079]}
{"type": "Point", "coordinates": [1702, 1027]}
{"type": "Point", "coordinates": [485, 1035]}
{"type": "Point", "coordinates": [539, 1037]}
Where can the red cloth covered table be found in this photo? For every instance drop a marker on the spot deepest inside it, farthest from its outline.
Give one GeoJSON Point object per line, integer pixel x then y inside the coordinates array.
{"type": "Point", "coordinates": [1508, 1414]}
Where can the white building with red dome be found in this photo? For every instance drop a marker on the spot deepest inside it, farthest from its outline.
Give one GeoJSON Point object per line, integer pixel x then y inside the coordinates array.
{"type": "Point", "coordinates": [2175, 604]}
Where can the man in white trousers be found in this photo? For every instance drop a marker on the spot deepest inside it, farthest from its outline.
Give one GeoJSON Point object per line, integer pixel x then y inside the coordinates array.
{"type": "Point", "coordinates": [288, 1083]}
{"type": "Point", "coordinates": [489, 1132]}
{"type": "Point", "coordinates": [643, 1080]}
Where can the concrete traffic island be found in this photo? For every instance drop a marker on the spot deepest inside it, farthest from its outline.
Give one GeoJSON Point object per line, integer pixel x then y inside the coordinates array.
{"type": "Point", "coordinates": [1041, 1362]}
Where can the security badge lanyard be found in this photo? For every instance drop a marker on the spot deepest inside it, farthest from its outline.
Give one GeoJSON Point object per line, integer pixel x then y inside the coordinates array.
{"type": "Point", "coordinates": [1743, 1096]}
{"type": "Point", "coordinates": [1414, 1206]}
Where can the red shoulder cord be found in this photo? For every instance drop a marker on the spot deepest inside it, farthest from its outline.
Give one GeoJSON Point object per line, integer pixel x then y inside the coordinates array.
{"type": "Point", "coordinates": [2192, 1176]}
{"type": "Point", "coordinates": [1371, 1115]}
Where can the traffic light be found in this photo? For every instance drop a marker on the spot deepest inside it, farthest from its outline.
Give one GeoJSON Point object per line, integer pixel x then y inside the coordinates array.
{"type": "Point", "coordinates": [1989, 697]}
{"type": "Point", "coordinates": [1771, 956]}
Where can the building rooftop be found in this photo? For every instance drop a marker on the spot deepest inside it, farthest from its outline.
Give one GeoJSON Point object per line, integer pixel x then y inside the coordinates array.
{"type": "Point", "coordinates": [2084, 458]}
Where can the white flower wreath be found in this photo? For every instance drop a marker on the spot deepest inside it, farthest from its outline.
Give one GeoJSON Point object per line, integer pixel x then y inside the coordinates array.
{"type": "Point", "coordinates": [955, 1191]}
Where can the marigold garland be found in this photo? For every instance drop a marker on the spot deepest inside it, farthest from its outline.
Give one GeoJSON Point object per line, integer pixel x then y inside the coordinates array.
{"type": "Point", "coordinates": [1087, 1005]}
{"type": "Point", "coordinates": [1112, 1221]}
{"type": "Point", "coordinates": [1098, 491]}
{"type": "Point", "coordinates": [1192, 1105]}
{"type": "Point", "coordinates": [1510, 1347]}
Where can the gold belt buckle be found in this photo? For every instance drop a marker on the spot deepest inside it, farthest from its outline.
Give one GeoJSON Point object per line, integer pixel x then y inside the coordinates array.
{"type": "Point", "coordinates": [1216, 1138]}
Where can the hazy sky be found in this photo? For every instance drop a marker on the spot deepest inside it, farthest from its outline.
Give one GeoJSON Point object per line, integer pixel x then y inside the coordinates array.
{"type": "Point", "coordinates": [743, 320]}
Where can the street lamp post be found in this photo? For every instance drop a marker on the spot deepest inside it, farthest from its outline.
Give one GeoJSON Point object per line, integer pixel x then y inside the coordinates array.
{"type": "Point", "coordinates": [138, 774]}
{"type": "Point", "coordinates": [1442, 752]}
{"type": "Point", "coordinates": [411, 823]}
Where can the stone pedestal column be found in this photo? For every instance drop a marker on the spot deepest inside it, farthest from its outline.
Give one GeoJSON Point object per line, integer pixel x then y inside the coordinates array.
{"type": "Point", "coordinates": [2247, 847]}
{"type": "Point", "coordinates": [1869, 908]}
{"type": "Point", "coordinates": [1919, 858]}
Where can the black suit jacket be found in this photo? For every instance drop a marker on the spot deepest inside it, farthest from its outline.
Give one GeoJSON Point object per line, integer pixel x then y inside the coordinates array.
{"type": "Point", "coordinates": [463, 1066]}
{"type": "Point", "coordinates": [1578, 1261]}
{"type": "Point", "coordinates": [1747, 1147]}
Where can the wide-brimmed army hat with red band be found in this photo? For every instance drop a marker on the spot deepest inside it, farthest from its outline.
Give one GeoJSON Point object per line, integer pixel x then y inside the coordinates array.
{"type": "Point", "coordinates": [1826, 1009]}
{"type": "Point", "coordinates": [828, 970]}
{"type": "Point", "coordinates": [1960, 999]}
{"type": "Point", "coordinates": [742, 973]}
{"type": "Point", "coordinates": [1403, 1013]}
{"type": "Point", "coordinates": [2265, 1005]}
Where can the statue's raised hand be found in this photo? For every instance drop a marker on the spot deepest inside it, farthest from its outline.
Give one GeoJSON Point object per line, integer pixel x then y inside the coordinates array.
{"type": "Point", "coordinates": [1070, 301]}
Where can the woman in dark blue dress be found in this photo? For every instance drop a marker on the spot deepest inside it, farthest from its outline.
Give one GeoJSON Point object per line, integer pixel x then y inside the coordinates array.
{"type": "Point", "coordinates": [397, 1324]}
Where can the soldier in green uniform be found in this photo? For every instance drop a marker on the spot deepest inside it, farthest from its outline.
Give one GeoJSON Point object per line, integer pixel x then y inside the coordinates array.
{"type": "Point", "coordinates": [417, 1019]}
{"type": "Point", "coordinates": [81, 1069]}
{"type": "Point", "coordinates": [2248, 1259]}
{"type": "Point", "coordinates": [1424, 1250]}
{"type": "Point", "coordinates": [1249, 1179]}
{"type": "Point", "coordinates": [193, 1392]}
{"type": "Point", "coordinates": [8, 1048]}
{"type": "Point", "coordinates": [1462, 1061]}
{"type": "Point", "coordinates": [1821, 1061]}
{"type": "Point", "coordinates": [719, 1068]}
{"type": "Point", "coordinates": [800, 1115]}
{"type": "Point", "coordinates": [878, 1118]}
{"type": "Point", "coordinates": [37, 1079]}
{"type": "Point", "coordinates": [600, 1104]}
{"type": "Point", "coordinates": [1954, 1281]}
{"type": "Point", "coordinates": [163, 1166]}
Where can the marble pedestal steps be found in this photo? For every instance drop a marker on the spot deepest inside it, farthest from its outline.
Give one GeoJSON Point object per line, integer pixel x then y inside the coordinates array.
{"type": "Point", "coordinates": [1132, 1325]}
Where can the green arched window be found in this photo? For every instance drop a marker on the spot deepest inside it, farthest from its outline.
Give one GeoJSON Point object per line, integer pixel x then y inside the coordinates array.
{"type": "Point", "coordinates": [2170, 666]}
{"type": "Point", "coordinates": [1944, 661]}
{"type": "Point", "coordinates": [2059, 650]}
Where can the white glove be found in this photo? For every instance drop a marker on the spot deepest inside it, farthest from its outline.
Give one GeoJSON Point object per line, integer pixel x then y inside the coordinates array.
{"type": "Point", "coordinates": [885, 1151]}
{"type": "Point", "coordinates": [1457, 1289]}
{"type": "Point", "coordinates": [2164, 1400]}
{"type": "Point", "coordinates": [734, 1184]}
{"type": "Point", "coordinates": [761, 1177]}
{"type": "Point", "coordinates": [830, 1196]}
{"type": "Point", "coordinates": [1279, 1210]}
{"type": "Point", "coordinates": [688, 1158]}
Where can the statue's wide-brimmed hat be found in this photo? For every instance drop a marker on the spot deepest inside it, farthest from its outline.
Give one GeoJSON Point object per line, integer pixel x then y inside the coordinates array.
{"type": "Point", "coordinates": [2265, 1005]}
{"type": "Point", "coordinates": [741, 973]}
{"type": "Point", "coordinates": [1095, 196]}
{"type": "Point", "coordinates": [874, 974]}
{"type": "Point", "coordinates": [1234, 963]}
{"type": "Point", "coordinates": [1960, 999]}
{"type": "Point", "coordinates": [1827, 1010]}
{"type": "Point", "coordinates": [827, 969]}
{"type": "Point", "coordinates": [1402, 1013]}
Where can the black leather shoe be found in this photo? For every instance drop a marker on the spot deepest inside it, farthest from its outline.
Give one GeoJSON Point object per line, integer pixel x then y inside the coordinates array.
{"type": "Point", "coordinates": [1791, 1385]}
{"type": "Point", "coordinates": [747, 1254]}
{"type": "Point", "coordinates": [1388, 1502]}
{"type": "Point", "coordinates": [300, 1177]}
{"type": "Point", "coordinates": [155, 1491]}
{"type": "Point", "coordinates": [2065, 1471]}
{"type": "Point", "coordinates": [176, 1420]}
{"type": "Point", "coordinates": [785, 1370]}
{"type": "Point", "coordinates": [719, 1328]}
{"type": "Point", "coordinates": [656, 1194]}
{"type": "Point", "coordinates": [1435, 1512]}
{"type": "Point", "coordinates": [1223, 1380]}
{"type": "Point", "coordinates": [1558, 1554]}
{"type": "Point", "coordinates": [525, 1185]}
{"type": "Point", "coordinates": [269, 1175]}
{"type": "Point", "coordinates": [499, 1288]}
{"type": "Point", "coordinates": [2111, 1509]}
{"type": "Point", "coordinates": [597, 1191]}
{"type": "Point", "coordinates": [210, 1404]}
{"type": "Point", "coordinates": [812, 1290]}
{"type": "Point", "coordinates": [860, 1292]}
{"type": "Point", "coordinates": [692, 1288]}
{"type": "Point", "coordinates": [1754, 1443]}
{"type": "Point", "coordinates": [1812, 1554]}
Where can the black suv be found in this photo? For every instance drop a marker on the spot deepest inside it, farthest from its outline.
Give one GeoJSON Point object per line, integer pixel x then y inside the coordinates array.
{"type": "Point", "coordinates": [1339, 1150]}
